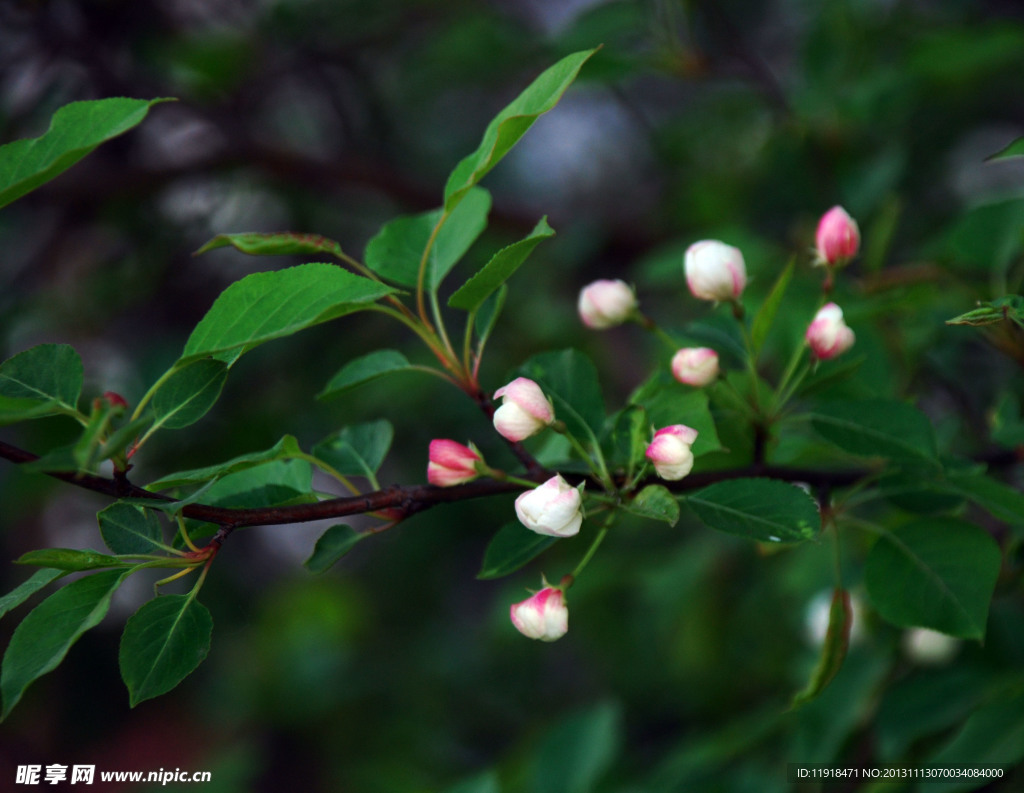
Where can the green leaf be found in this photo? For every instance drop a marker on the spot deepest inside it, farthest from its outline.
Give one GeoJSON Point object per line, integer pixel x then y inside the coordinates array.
{"type": "Point", "coordinates": [396, 251]}
{"type": "Point", "coordinates": [284, 449]}
{"type": "Point", "coordinates": [265, 306]}
{"type": "Point", "coordinates": [1014, 149]}
{"type": "Point", "coordinates": [75, 130]}
{"type": "Point", "coordinates": [499, 269]}
{"type": "Point", "coordinates": [512, 547]}
{"type": "Point", "coordinates": [363, 370]}
{"type": "Point", "coordinates": [488, 313]}
{"type": "Point", "coordinates": [486, 782]}
{"type": "Point", "coordinates": [766, 314]}
{"type": "Point", "coordinates": [761, 509]}
{"type": "Point", "coordinates": [511, 124]}
{"type": "Point", "coordinates": [266, 485]}
{"type": "Point", "coordinates": [876, 428]}
{"type": "Point", "coordinates": [47, 376]}
{"type": "Point", "coordinates": [569, 378]}
{"type": "Point", "coordinates": [833, 650]}
{"type": "Point", "coordinates": [657, 503]}
{"type": "Point", "coordinates": [1009, 307]}
{"type": "Point", "coordinates": [999, 500]}
{"type": "Point", "coordinates": [921, 494]}
{"type": "Point", "coordinates": [668, 402]}
{"type": "Point", "coordinates": [27, 588]}
{"type": "Point", "coordinates": [163, 642]}
{"type": "Point", "coordinates": [936, 573]}
{"type": "Point", "coordinates": [578, 751]}
{"type": "Point", "coordinates": [992, 736]}
{"type": "Point", "coordinates": [13, 409]}
{"type": "Point", "coordinates": [44, 637]}
{"type": "Point", "coordinates": [130, 529]}
{"type": "Point", "coordinates": [357, 450]}
{"type": "Point", "coordinates": [187, 395]}
{"type": "Point", "coordinates": [70, 559]}
{"type": "Point", "coordinates": [279, 243]}
{"type": "Point", "coordinates": [331, 546]}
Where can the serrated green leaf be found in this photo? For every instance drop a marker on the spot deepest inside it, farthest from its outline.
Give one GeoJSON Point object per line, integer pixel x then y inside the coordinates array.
{"type": "Point", "coordinates": [668, 402]}
{"type": "Point", "coordinates": [187, 395]}
{"type": "Point", "coordinates": [284, 449]}
{"type": "Point", "coordinates": [657, 503]}
{"type": "Point", "coordinates": [512, 547]}
{"type": "Point", "coordinates": [48, 375]}
{"type": "Point", "coordinates": [75, 130]}
{"type": "Point", "coordinates": [488, 313]}
{"type": "Point", "coordinates": [27, 588]}
{"type": "Point", "coordinates": [766, 314]}
{"type": "Point", "coordinates": [936, 573]}
{"type": "Point", "coordinates": [876, 428]}
{"type": "Point", "coordinates": [130, 529]}
{"type": "Point", "coordinates": [163, 642]}
{"type": "Point", "coordinates": [833, 649]}
{"type": "Point", "coordinates": [70, 559]}
{"type": "Point", "coordinates": [499, 269]}
{"type": "Point", "coordinates": [278, 243]}
{"type": "Point", "coordinates": [363, 370]}
{"type": "Point", "coordinates": [265, 306]}
{"type": "Point", "coordinates": [760, 509]}
{"type": "Point", "coordinates": [511, 124]}
{"type": "Point", "coordinates": [396, 251]}
{"type": "Point", "coordinates": [331, 546]}
{"type": "Point", "coordinates": [44, 637]}
{"type": "Point", "coordinates": [569, 378]}
{"type": "Point", "coordinates": [266, 485]}
{"type": "Point", "coordinates": [357, 450]}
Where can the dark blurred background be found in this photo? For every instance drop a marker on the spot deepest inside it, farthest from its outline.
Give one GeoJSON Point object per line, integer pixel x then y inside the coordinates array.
{"type": "Point", "coordinates": [397, 671]}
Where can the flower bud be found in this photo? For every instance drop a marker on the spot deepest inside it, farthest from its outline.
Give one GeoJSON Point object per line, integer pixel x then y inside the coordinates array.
{"type": "Point", "coordinates": [524, 410]}
{"type": "Point", "coordinates": [115, 400]}
{"type": "Point", "coordinates": [837, 239]}
{"type": "Point", "coordinates": [714, 270]}
{"type": "Point", "coordinates": [827, 334]}
{"type": "Point", "coordinates": [553, 508]}
{"type": "Point", "coordinates": [543, 616]}
{"type": "Point", "coordinates": [926, 646]}
{"type": "Point", "coordinates": [696, 366]}
{"type": "Point", "coordinates": [605, 304]}
{"type": "Point", "coordinates": [670, 451]}
{"type": "Point", "coordinates": [451, 463]}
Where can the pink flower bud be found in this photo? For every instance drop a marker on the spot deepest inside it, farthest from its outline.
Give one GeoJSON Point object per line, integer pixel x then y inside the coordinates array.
{"type": "Point", "coordinates": [605, 304]}
{"type": "Point", "coordinates": [543, 616]}
{"type": "Point", "coordinates": [115, 400]}
{"type": "Point", "coordinates": [670, 451]}
{"type": "Point", "coordinates": [714, 270]}
{"type": "Point", "coordinates": [451, 463]}
{"type": "Point", "coordinates": [524, 410]}
{"type": "Point", "coordinates": [553, 508]}
{"type": "Point", "coordinates": [837, 239]}
{"type": "Point", "coordinates": [827, 334]}
{"type": "Point", "coordinates": [696, 366]}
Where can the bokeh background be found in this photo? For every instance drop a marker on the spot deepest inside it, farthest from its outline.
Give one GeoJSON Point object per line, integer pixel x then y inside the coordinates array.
{"type": "Point", "coordinates": [397, 670]}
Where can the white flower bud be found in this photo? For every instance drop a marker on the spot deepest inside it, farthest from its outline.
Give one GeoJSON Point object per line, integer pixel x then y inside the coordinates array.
{"type": "Point", "coordinates": [696, 366]}
{"type": "Point", "coordinates": [553, 508]}
{"type": "Point", "coordinates": [670, 451]}
{"type": "Point", "coordinates": [714, 270]}
{"type": "Point", "coordinates": [605, 304]}
{"type": "Point", "coordinates": [543, 616]}
{"type": "Point", "coordinates": [828, 335]}
{"type": "Point", "coordinates": [524, 411]}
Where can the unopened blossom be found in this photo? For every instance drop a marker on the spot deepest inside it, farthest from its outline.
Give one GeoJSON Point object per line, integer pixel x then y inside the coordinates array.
{"type": "Point", "coordinates": [828, 335]}
{"type": "Point", "coordinates": [696, 366]}
{"type": "Point", "coordinates": [605, 304]}
{"type": "Point", "coordinates": [524, 411]}
{"type": "Point", "coordinates": [714, 270]}
{"type": "Point", "coordinates": [926, 646]}
{"type": "Point", "coordinates": [837, 238]}
{"type": "Point", "coordinates": [670, 451]}
{"type": "Point", "coordinates": [553, 508]}
{"type": "Point", "coordinates": [543, 616]}
{"type": "Point", "coordinates": [451, 463]}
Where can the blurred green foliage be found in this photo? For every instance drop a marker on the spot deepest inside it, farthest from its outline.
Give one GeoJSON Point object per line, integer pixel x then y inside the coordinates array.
{"type": "Point", "coordinates": [397, 670]}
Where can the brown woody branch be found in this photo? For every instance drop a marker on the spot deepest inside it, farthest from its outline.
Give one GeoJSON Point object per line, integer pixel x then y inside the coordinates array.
{"type": "Point", "coordinates": [401, 501]}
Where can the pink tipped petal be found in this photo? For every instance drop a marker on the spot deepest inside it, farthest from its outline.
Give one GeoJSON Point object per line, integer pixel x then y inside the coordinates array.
{"type": "Point", "coordinates": [837, 237]}
{"type": "Point", "coordinates": [543, 616]}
